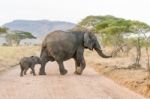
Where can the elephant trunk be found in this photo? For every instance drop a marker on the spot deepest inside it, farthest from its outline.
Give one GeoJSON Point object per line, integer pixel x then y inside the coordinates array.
{"type": "Point", "coordinates": [100, 53]}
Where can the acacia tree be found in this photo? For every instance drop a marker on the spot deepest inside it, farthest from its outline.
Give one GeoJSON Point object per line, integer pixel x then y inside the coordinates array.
{"type": "Point", "coordinates": [138, 28]}
{"type": "Point", "coordinates": [17, 36]}
{"type": "Point", "coordinates": [3, 30]}
{"type": "Point", "coordinates": [112, 29]}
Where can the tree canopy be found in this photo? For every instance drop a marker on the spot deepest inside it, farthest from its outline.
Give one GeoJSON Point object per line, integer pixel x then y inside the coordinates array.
{"type": "Point", "coordinates": [3, 30]}
{"type": "Point", "coordinates": [16, 36]}
{"type": "Point", "coordinates": [112, 25]}
{"type": "Point", "coordinates": [112, 29]}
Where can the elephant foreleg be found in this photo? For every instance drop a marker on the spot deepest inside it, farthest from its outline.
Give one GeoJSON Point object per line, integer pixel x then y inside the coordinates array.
{"type": "Point", "coordinates": [77, 66]}
{"type": "Point", "coordinates": [62, 69]}
{"type": "Point", "coordinates": [33, 71]}
{"type": "Point", "coordinates": [79, 61]}
{"type": "Point", "coordinates": [80, 65]}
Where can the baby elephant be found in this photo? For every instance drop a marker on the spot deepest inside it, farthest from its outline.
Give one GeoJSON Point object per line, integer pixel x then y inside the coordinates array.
{"type": "Point", "coordinates": [29, 62]}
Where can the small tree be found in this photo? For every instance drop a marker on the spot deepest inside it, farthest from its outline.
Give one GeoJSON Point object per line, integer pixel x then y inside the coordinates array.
{"type": "Point", "coordinates": [17, 36]}
{"type": "Point", "coordinates": [138, 28]}
{"type": "Point", "coordinates": [3, 30]}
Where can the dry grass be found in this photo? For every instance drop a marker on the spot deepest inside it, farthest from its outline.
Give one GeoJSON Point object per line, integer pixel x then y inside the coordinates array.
{"type": "Point", "coordinates": [135, 80]}
{"type": "Point", "coordinates": [11, 55]}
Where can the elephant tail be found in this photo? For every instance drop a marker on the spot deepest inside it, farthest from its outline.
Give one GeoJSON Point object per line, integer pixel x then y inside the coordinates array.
{"type": "Point", "coordinates": [43, 48]}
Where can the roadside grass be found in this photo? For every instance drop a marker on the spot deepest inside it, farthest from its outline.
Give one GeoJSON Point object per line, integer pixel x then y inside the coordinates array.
{"type": "Point", "coordinates": [9, 56]}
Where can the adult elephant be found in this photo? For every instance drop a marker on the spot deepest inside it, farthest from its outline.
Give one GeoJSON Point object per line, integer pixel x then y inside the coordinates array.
{"type": "Point", "coordinates": [60, 46]}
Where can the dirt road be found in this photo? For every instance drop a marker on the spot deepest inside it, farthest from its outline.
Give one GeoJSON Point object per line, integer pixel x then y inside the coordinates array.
{"type": "Point", "coordinates": [90, 85]}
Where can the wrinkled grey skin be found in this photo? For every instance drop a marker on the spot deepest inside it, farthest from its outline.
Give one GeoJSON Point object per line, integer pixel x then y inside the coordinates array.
{"type": "Point", "coordinates": [60, 46]}
{"type": "Point", "coordinates": [29, 62]}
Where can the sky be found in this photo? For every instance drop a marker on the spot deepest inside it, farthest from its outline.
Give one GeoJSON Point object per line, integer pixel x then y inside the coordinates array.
{"type": "Point", "coordinates": [73, 10]}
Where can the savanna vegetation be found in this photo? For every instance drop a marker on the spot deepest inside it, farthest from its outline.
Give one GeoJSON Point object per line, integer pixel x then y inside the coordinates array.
{"type": "Point", "coordinates": [3, 30]}
{"type": "Point", "coordinates": [10, 56]}
{"type": "Point", "coordinates": [129, 43]}
{"type": "Point", "coordinates": [113, 29]}
{"type": "Point", "coordinates": [13, 37]}
{"type": "Point", "coordinates": [126, 40]}
{"type": "Point", "coordinates": [16, 36]}
{"type": "Point", "coordinates": [116, 32]}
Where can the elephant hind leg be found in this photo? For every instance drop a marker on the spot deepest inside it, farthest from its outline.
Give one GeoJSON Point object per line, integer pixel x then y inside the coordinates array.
{"type": "Point", "coordinates": [25, 71]}
{"type": "Point", "coordinates": [22, 69]}
{"type": "Point", "coordinates": [42, 68]}
{"type": "Point", "coordinates": [62, 69]}
{"type": "Point", "coordinates": [44, 58]}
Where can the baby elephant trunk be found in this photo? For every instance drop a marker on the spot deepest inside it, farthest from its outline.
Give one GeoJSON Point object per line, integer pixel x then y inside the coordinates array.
{"type": "Point", "coordinates": [100, 53]}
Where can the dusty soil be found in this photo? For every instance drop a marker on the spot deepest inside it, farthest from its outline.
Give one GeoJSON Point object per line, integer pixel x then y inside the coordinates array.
{"type": "Point", "coordinates": [132, 79]}
{"type": "Point", "coordinates": [90, 85]}
{"type": "Point", "coordinates": [116, 69]}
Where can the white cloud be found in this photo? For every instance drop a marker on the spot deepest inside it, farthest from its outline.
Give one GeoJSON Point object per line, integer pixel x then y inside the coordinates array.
{"type": "Point", "coordinates": [72, 10]}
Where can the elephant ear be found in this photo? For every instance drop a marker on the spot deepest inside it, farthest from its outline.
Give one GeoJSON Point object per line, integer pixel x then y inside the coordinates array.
{"type": "Point", "coordinates": [96, 44]}
{"type": "Point", "coordinates": [88, 41]}
{"type": "Point", "coordinates": [34, 59]}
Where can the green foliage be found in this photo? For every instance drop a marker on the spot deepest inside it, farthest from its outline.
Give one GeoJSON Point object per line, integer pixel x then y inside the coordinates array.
{"type": "Point", "coordinates": [3, 30]}
{"type": "Point", "coordinates": [92, 21]}
{"type": "Point", "coordinates": [89, 20]}
{"type": "Point", "coordinates": [136, 26]}
{"type": "Point", "coordinates": [17, 36]}
{"type": "Point", "coordinates": [112, 28]}
{"type": "Point", "coordinates": [111, 24]}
